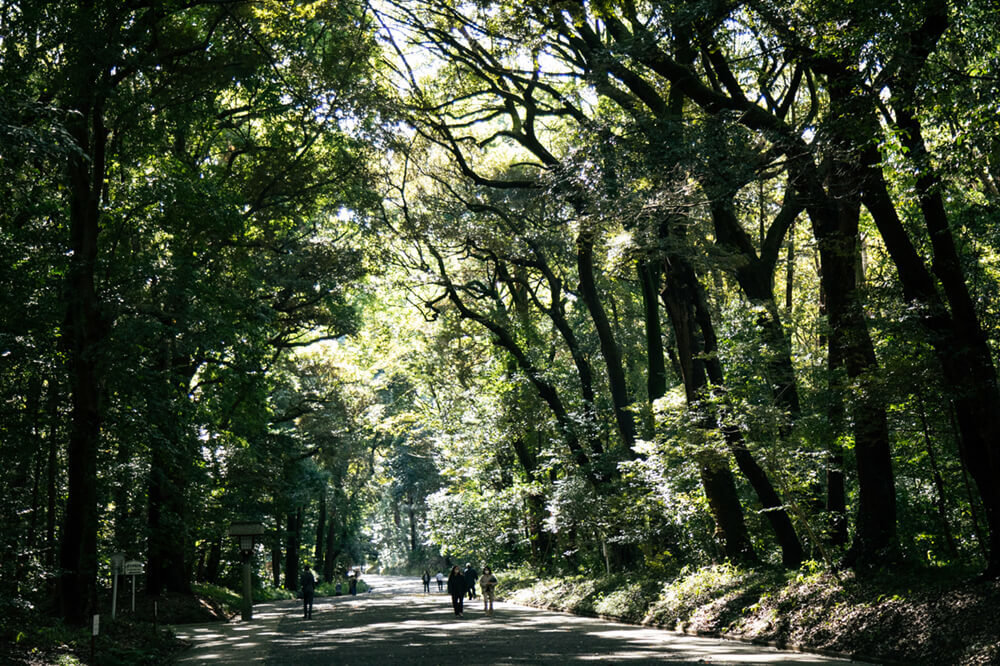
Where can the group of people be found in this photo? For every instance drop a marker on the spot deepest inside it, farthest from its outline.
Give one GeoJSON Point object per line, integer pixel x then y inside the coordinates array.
{"type": "Point", "coordinates": [307, 586]}
{"type": "Point", "coordinates": [462, 584]}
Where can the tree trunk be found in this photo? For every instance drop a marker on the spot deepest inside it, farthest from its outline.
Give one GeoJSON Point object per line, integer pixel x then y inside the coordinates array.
{"type": "Point", "coordinates": [790, 271]}
{"type": "Point", "coordinates": [83, 335]}
{"type": "Point", "coordinates": [656, 378]}
{"type": "Point", "coordinates": [276, 552]}
{"type": "Point", "coordinates": [836, 492]}
{"type": "Point", "coordinates": [320, 530]}
{"type": "Point", "coordinates": [411, 515]}
{"type": "Point", "coordinates": [293, 540]}
{"type": "Point", "coordinates": [539, 540]}
{"type": "Point", "coordinates": [33, 411]}
{"type": "Point", "coordinates": [171, 460]}
{"type": "Point", "coordinates": [939, 501]}
{"type": "Point", "coordinates": [214, 560]}
{"type": "Point", "coordinates": [620, 395]}
{"type": "Point", "coordinates": [835, 226]}
{"type": "Point", "coordinates": [774, 508]}
{"type": "Point", "coordinates": [332, 551]}
{"type": "Point", "coordinates": [755, 275]}
{"type": "Point", "coordinates": [556, 311]}
{"type": "Point", "coordinates": [724, 505]}
{"type": "Point", "coordinates": [503, 338]}
{"type": "Point", "coordinates": [51, 475]}
{"type": "Point", "coordinates": [957, 335]}
{"type": "Point", "coordinates": [716, 477]}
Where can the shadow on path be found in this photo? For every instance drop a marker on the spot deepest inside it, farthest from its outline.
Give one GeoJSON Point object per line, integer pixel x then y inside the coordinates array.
{"type": "Point", "coordinates": [419, 630]}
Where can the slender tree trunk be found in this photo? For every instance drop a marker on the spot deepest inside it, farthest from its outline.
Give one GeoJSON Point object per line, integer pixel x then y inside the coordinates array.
{"type": "Point", "coordinates": [276, 551]}
{"type": "Point", "coordinates": [620, 395]}
{"type": "Point", "coordinates": [790, 271]}
{"type": "Point", "coordinates": [332, 551]}
{"type": "Point", "coordinates": [939, 501]}
{"type": "Point", "coordinates": [555, 310]}
{"type": "Point", "coordinates": [656, 377]}
{"type": "Point", "coordinates": [539, 540]}
{"type": "Point", "coordinates": [294, 540]}
{"type": "Point", "coordinates": [214, 560]}
{"type": "Point", "coordinates": [774, 507]}
{"type": "Point", "coordinates": [716, 477]}
{"type": "Point", "coordinates": [503, 338]}
{"type": "Point", "coordinates": [411, 515]}
{"type": "Point", "coordinates": [836, 495]}
{"type": "Point", "coordinates": [755, 275]}
{"type": "Point", "coordinates": [51, 475]}
{"type": "Point", "coordinates": [33, 411]}
{"type": "Point", "coordinates": [836, 492]}
{"type": "Point", "coordinates": [320, 530]}
{"type": "Point", "coordinates": [956, 335]}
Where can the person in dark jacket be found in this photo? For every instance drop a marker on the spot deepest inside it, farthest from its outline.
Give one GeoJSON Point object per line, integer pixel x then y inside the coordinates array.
{"type": "Point", "coordinates": [456, 588]}
{"type": "Point", "coordinates": [308, 582]}
{"type": "Point", "coordinates": [426, 578]}
{"type": "Point", "coordinates": [470, 580]}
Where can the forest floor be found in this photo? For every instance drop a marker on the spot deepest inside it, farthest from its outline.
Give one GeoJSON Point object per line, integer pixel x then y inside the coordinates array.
{"type": "Point", "coordinates": [898, 617]}
{"type": "Point", "coordinates": [29, 638]}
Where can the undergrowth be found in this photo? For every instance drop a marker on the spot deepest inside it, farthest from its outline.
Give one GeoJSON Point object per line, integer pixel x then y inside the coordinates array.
{"type": "Point", "coordinates": [913, 617]}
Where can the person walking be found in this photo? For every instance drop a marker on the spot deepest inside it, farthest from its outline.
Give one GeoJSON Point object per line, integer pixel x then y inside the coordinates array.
{"type": "Point", "coordinates": [456, 588]}
{"type": "Point", "coordinates": [308, 585]}
{"type": "Point", "coordinates": [470, 579]}
{"type": "Point", "coordinates": [440, 579]}
{"type": "Point", "coordinates": [426, 579]}
{"type": "Point", "coordinates": [487, 585]}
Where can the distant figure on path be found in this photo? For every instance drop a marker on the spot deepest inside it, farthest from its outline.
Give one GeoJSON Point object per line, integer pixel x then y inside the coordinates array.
{"type": "Point", "coordinates": [440, 580]}
{"type": "Point", "coordinates": [456, 588]}
{"type": "Point", "coordinates": [487, 584]}
{"type": "Point", "coordinates": [352, 583]}
{"type": "Point", "coordinates": [426, 578]}
{"type": "Point", "coordinates": [470, 579]}
{"type": "Point", "coordinates": [308, 584]}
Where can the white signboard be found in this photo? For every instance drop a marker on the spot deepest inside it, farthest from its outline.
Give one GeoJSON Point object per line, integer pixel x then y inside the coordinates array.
{"type": "Point", "coordinates": [133, 568]}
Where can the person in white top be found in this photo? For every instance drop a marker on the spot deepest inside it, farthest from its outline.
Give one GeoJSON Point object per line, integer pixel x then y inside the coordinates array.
{"type": "Point", "coordinates": [487, 585]}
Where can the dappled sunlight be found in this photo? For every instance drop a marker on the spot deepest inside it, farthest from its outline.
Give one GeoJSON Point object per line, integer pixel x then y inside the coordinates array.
{"type": "Point", "coordinates": [422, 629]}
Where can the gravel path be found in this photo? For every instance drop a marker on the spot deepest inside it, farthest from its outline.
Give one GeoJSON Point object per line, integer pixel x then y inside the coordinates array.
{"type": "Point", "coordinates": [397, 624]}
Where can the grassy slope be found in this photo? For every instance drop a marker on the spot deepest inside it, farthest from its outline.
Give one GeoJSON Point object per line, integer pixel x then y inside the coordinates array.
{"type": "Point", "coordinates": [917, 617]}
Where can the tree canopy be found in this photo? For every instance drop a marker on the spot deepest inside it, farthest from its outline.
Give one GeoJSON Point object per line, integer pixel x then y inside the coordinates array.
{"type": "Point", "coordinates": [579, 286]}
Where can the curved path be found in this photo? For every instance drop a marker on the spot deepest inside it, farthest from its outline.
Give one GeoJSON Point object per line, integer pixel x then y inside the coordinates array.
{"type": "Point", "coordinates": [397, 624]}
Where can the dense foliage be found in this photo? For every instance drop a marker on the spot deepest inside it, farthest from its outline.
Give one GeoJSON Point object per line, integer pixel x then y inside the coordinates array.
{"type": "Point", "coordinates": [586, 286]}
